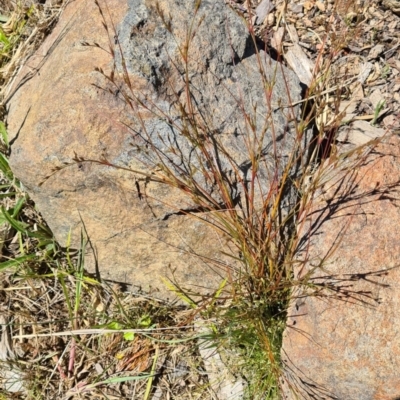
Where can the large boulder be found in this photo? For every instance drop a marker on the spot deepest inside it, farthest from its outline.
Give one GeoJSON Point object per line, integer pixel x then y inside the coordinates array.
{"type": "Point", "coordinates": [342, 335]}
{"type": "Point", "coordinates": [140, 229]}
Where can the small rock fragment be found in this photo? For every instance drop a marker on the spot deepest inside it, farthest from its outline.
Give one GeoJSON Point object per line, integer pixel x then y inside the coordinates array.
{"type": "Point", "coordinates": [300, 63]}
{"type": "Point", "coordinates": [276, 40]}
{"type": "Point", "coordinates": [262, 11]}
{"type": "Point", "coordinates": [391, 122]}
{"type": "Point", "coordinates": [308, 5]}
{"type": "Point", "coordinates": [296, 8]}
{"type": "Point", "coordinates": [392, 5]}
{"type": "Point", "coordinates": [360, 132]}
{"type": "Point", "coordinates": [320, 6]}
{"type": "Point", "coordinates": [365, 71]}
{"type": "Point", "coordinates": [376, 51]}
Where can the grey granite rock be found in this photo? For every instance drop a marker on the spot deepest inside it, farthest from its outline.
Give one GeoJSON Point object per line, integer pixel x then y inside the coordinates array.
{"type": "Point", "coordinates": [139, 236]}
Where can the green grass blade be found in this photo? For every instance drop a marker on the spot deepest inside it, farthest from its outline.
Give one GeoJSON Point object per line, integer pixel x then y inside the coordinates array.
{"type": "Point", "coordinates": [79, 277]}
{"type": "Point", "coordinates": [68, 249]}
{"type": "Point", "coordinates": [151, 378]}
{"type": "Point", "coordinates": [17, 225]}
{"type": "Point", "coordinates": [3, 131]}
{"type": "Point", "coordinates": [120, 379]}
{"type": "Point", "coordinates": [220, 289]}
{"type": "Point", "coordinates": [5, 168]}
{"type": "Point", "coordinates": [4, 40]}
{"type": "Point", "coordinates": [172, 341]}
{"type": "Point", "coordinates": [18, 207]}
{"type": "Point", "coordinates": [181, 295]}
{"type": "Point", "coordinates": [8, 194]}
{"type": "Point", "coordinates": [15, 262]}
{"type": "Point", "coordinates": [66, 295]}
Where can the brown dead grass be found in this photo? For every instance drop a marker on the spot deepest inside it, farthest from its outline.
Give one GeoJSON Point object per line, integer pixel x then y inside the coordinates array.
{"type": "Point", "coordinates": [60, 356]}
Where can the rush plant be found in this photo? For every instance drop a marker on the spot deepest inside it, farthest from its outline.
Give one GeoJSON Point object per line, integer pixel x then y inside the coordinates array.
{"type": "Point", "coordinates": [258, 209]}
{"type": "Point", "coordinates": [250, 311]}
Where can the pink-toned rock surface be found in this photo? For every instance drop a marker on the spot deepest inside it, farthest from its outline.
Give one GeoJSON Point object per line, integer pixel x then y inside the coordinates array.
{"type": "Point", "coordinates": [343, 335]}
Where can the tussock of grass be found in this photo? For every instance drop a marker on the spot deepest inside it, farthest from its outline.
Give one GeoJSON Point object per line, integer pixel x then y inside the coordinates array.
{"type": "Point", "coordinates": [250, 310]}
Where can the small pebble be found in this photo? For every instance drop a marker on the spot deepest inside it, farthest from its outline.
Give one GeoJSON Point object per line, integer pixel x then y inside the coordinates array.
{"type": "Point", "coordinates": [308, 5]}
{"type": "Point", "coordinates": [320, 6]}
{"type": "Point", "coordinates": [307, 23]}
{"type": "Point", "coordinates": [271, 19]}
{"type": "Point", "coordinates": [296, 8]}
{"type": "Point", "coordinates": [376, 51]}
